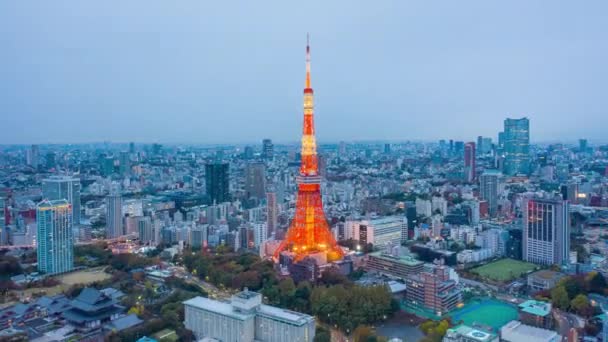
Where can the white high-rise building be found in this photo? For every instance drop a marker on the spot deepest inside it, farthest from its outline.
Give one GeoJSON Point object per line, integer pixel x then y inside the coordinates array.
{"type": "Point", "coordinates": [424, 207]}
{"type": "Point", "coordinates": [439, 204]}
{"type": "Point", "coordinates": [260, 233]}
{"type": "Point", "coordinates": [272, 212]}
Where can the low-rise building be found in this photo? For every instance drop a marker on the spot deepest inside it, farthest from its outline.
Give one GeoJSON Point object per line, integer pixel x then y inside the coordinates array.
{"type": "Point", "coordinates": [394, 266]}
{"type": "Point", "coordinates": [536, 313]}
{"type": "Point", "coordinates": [516, 331]}
{"type": "Point", "coordinates": [246, 319]}
{"type": "Point", "coordinates": [465, 333]}
{"type": "Point", "coordinates": [543, 280]}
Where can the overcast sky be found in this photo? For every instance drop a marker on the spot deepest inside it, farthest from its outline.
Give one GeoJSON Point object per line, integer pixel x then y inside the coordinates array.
{"type": "Point", "coordinates": [220, 71]}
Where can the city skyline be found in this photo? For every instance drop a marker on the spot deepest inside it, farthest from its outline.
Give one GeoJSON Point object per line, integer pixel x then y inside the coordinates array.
{"type": "Point", "coordinates": [93, 73]}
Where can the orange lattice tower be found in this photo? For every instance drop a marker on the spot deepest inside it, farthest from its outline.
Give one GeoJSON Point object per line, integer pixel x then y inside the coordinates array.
{"type": "Point", "coordinates": [309, 231]}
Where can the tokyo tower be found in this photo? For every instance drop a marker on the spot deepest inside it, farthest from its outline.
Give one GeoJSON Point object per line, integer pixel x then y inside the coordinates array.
{"type": "Point", "coordinates": [309, 231]}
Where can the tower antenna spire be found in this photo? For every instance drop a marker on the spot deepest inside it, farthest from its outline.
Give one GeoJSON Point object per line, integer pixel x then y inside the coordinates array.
{"type": "Point", "coordinates": [307, 61]}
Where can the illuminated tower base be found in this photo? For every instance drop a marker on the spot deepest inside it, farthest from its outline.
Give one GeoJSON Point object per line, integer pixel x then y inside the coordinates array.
{"type": "Point", "coordinates": [309, 232]}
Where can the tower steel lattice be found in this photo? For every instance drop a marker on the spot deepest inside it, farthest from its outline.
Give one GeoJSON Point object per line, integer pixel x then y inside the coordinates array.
{"type": "Point", "coordinates": [309, 231]}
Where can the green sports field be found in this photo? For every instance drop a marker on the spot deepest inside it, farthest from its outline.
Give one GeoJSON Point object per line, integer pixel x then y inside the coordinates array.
{"type": "Point", "coordinates": [504, 269]}
{"type": "Point", "coordinates": [489, 312]}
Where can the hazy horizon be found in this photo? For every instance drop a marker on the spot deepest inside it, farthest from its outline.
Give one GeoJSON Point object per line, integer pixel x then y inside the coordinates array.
{"type": "Point", "coordinates": [193, 72]}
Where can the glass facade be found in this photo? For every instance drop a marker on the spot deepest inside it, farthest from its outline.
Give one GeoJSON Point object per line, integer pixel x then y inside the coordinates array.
{"type": "Point", "coordinates": [517, 146]}
{"type": "Point", "coordinates": [55, 238]}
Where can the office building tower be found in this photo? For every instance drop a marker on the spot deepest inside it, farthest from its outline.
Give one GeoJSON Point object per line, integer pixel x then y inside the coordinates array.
{"type": "Point", "coordinates": [583, 145]}
{"type": "Point", "coordinates": [255, 180]}
{"type": "Point", "coordinates": [114, 216]}
{"type": "Point", "coordinates": [517, 146]}
{"type": "Point", "coordinates": [309, 232]}
{"type": "Point", "coordinates": [342, 148]}
{"type": "Point", "coordinates": [248, 152]}
{"type": "Point", "coordinates": [546, 231]}
{"type": "Point", "coordinates": [272, 212]}
{"type": "Point", "coordinates": [157, 149]}
{"type": "Point", "coordinates": [51, 160]}
{"type": "Point", "coordinates": [3, 224]}
{"type": "Point", "coordinates": [469, 161]}
{"type": "Point", "coordinates": [217, 182]}
{"type": "Point", "coordinates": [267, 149]}
{"type": "Point", "coordinates": [32, 156]}
{"type": "Point", "coordinates": [145, 230]}
{"type": "Point", "coordinates": [64, 187]}
{"type": "Point", "coordinates": [125, 163]}
{"type": "Point", "coordinates": [484, 145]}
{"type": "Point", "coordinates": [106, 166]}
{"type": "Point", "coordinates": [489, 185]}
{"type": "Point", "coordinates": [132, 148]}
{"type": "Point", "coordinates": [260, 233]}
{"type": "Point", "coordinates": [198, 236]}
{"type": "Point", "coordinates": [380, 231]}
{"type": "Point", "coordinates": [458, 146]}
{"type": "Point", "coordinates": [387, 148]}
{"type": "Point", "coordinates": [245, 319]}
{"type": "Point", "coordinates": [55, 236]}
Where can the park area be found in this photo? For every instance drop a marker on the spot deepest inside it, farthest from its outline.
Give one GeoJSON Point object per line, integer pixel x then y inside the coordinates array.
{"type": "Point", "coordinates": [487, 312]}
{"type": "Point", "coordinates": [84, 277]}
{"type": "Point", "coordinates": [503, 270]}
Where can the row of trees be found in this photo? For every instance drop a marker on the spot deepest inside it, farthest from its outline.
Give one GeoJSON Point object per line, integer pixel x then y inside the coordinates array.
{"type": "Point", "coordinates": [232, 270]}
{"type": "Point", "coordinates": [569, 294]}
{"type": "Point", "coordinates": [348, 307]}
{"type": "Point", "coordinates": [434, 330]}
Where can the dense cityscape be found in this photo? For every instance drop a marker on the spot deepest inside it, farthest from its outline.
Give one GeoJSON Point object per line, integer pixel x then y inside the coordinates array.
{"type": "Point", "coordinates": [497, 237]}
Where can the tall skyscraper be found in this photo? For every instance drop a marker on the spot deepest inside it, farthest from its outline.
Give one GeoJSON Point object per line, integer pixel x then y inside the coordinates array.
{"type": "Point", "coordinates": [217, 182]}
{"type": "Point", "coordinates": [64, 187]}
{"type": "Point", "coordinates": [114, 217]}
{"type": "Point", "coordinates": [145, 229]}
{"type": "Point", "coordinates": [3, 229]}
{"type": "Point", "coordinates": [260, 233]}
{"type": "Point", "coordinates": [55, 236]}
{"type": "Point", "coordinates": [489, 184]}
{"type": "Point", "coordinates": [309, 231]}
{"type": "Point", "coordinates": [107, 165]}
{"type": "Point", "coordinates": [267, 149]}
{"type": "Point", "coordinates": [546, 231]}
{"type": "Point", "coordinates": [33, 156]}
{"type": "Point", "coordinates": [583, 145]}
{"type": "Point", "coordinates": [51, 161]}
{"type": "Point", "coordinates": [125, 163]}
{"type": "Point", "coordinates": [272, 212]}
{"type": "Point", "coordinates": [517, 146]}
{"type": "Point", "coordinates": [255, 180]}
{"type": "Point", "coordinates": [469, 161]}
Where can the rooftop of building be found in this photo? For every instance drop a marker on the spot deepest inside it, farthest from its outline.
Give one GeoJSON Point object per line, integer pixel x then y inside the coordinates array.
{"type": "Point", "coordinates": [547, 275]}
{"type": "Point", "coordinates": [517, 331]}
{"type": "Point", "coordinates": [472, 334]}
{"type": "Point", "coordinates": [286, 316]}
{"type": "Point", "coordinates": [227, 309]}
{"type": "Point", "coordinates": [402, 259]}
{"type": "Point", "coordinates": [536, 307]}
{"type": "Point", "coordinates": [222, 308]}
{"type": "Point", "coordinates": [45, 204]}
